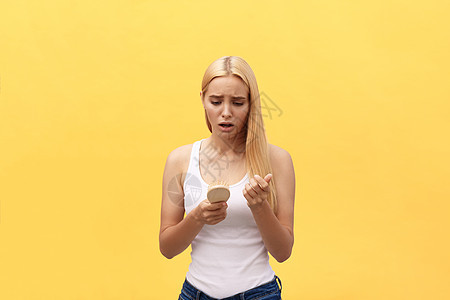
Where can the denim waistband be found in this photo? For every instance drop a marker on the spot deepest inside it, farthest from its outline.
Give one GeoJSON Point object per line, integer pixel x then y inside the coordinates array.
{"type": "Point", "coordinates": [270, 287]}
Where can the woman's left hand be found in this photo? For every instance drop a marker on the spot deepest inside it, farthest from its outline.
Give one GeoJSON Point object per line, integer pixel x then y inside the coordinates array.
{"type": "Point", "coordinates": [257, 191]}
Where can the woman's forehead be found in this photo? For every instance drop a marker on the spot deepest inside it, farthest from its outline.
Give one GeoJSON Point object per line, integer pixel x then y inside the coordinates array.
{"type": "Point", "coordinates": [231, 85]}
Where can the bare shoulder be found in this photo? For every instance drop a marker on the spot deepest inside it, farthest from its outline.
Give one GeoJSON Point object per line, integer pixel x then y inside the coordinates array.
{"type": "Point", "coordinates": [178, 162]}
{"type": "Point", "coordinates": [179, 158]}
{"type": "Point", "coordinates": [172, 206]}
{"type": "Point", "coordinates": [278, 156]}
{"type": "Point", "coordinates": [282, 164]}
{"type": "Point", "coordinates": [181, 153]}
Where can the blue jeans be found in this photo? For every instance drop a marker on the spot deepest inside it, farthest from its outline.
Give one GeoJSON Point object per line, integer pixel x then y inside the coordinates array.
{"type": "Point", "coordinates": [267, 291]}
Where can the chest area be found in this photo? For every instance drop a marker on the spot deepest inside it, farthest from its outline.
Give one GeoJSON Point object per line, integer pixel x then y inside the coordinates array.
{"type": "Point", "coordinates": [221, 168]}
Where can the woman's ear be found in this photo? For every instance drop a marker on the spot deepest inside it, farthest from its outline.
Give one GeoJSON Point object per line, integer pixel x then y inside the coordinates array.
{"type": "Point", "coordinates": [201, 97]}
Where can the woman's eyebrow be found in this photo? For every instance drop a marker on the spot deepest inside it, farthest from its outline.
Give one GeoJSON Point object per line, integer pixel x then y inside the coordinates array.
{"type": "Point", "coordinates": [234, 97]}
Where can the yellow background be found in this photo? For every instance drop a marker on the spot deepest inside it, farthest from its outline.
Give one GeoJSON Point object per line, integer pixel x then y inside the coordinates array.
{"type": "Point", "coordinates": [95, 94]}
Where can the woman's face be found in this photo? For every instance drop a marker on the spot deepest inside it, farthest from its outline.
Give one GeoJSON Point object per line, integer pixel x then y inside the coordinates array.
{"type": "Point", "coordinates": [227, 105]}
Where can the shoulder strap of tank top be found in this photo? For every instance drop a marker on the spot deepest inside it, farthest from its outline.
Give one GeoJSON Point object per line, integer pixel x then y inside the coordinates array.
{"type": "Point", "coordinates": [194, 159]}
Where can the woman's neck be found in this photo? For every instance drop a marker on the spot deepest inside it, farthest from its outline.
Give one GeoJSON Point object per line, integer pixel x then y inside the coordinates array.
{"type": "Point", "coordinates": [222, 145]}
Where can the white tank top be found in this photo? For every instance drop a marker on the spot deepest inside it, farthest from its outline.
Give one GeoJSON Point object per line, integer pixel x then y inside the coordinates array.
{"type": "Point", "coordinates": [229, 257]}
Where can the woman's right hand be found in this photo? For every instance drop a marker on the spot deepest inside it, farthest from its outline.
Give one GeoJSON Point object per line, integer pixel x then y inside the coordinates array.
{"type": "Point", "coordinates": [210, 213]}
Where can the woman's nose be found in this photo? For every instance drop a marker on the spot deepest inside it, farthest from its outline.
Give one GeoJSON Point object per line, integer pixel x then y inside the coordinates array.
{"type": "Point", "coordinates": [226, 110]}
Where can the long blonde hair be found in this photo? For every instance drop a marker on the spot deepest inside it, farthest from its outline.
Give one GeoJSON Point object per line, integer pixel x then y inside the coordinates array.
{"type": "Point", "coordinates": [256, 145]}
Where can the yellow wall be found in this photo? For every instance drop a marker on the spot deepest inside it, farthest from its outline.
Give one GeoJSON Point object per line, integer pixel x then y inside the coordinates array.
{"type": "Point", "coordinates": [95, 94]}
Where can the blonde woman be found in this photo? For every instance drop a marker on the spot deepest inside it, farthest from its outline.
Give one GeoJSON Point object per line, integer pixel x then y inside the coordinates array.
{"type": "Point", "coordinates": [231, 239]}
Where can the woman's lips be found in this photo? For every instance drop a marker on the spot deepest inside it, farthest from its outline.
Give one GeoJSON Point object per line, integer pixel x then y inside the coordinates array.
{"type": "Point", "coordinates": [226, 127]}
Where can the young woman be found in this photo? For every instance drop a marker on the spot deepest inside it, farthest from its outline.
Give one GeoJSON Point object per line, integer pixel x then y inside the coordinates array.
{"type": "Point", "coordinates": [231, 239]}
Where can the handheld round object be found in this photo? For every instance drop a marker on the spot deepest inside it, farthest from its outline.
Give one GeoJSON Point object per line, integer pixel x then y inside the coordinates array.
{"type": "Point", "coordinates": [218, 192]}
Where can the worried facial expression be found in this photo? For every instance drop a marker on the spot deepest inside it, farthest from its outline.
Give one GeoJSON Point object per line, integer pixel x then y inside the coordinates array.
{"type": "Point", "coordinates": [227, 104]}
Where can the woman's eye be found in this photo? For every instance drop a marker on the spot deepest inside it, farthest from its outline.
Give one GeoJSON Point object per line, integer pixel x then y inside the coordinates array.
{"type": "Point", "coordinates": [219, 102]}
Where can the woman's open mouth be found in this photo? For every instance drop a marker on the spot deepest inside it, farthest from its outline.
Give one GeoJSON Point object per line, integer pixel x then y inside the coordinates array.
{"type": "Point", "coordinates": [226, 127]}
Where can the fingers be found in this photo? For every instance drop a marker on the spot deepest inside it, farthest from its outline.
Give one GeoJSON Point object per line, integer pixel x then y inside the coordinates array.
{"type": "Point", "coordinates": [268, 177]}
{"type": "Point", "coordinates": [212, 213]}
{"type": "Point", "coordinates": [215, 206]}
{"type": "Point", "coordinates": [214, 221]}
{"type": "Point", "coordinates": [249, 191]}
{"type": "Point", "coordinates": [216, 216]}
{"type": "Point", "coordinates": [264, 182]}
{"type": "Point", "coordinates": [258, 185]}
{"type": "Point", "coordinates": [257, 190]}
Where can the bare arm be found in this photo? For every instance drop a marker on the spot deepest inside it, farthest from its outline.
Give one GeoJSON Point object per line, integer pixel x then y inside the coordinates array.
{"type": "Point", "coordinates": [177, 233]}
{"type": "Point", "coordinates": [276, 229]}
